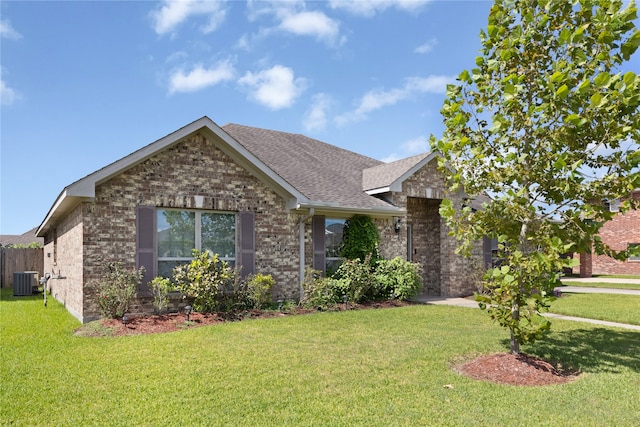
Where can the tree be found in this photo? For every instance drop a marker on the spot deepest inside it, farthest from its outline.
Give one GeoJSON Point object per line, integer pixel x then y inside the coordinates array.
{"type": "Point", "coordinates": [360, 238]}
{"type": "Point", "coordinates": [547, 126]}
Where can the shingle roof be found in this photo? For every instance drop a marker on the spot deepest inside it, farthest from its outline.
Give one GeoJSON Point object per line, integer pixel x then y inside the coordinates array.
{"type": "Point", "coordinates": [386, 174]}
{"type": "Point", "coordinates": [22, 239]}
{"type": "Point", "coordinates": [320, 171]}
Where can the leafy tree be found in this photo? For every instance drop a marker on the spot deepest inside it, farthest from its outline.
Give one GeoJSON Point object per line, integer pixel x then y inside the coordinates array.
{"type": "Point", "coordinates": [547, 125]}
{"type": "Point", "coordinates": [360, 238]}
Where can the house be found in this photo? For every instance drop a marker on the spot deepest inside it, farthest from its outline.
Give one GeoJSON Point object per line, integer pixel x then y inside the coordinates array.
{"type": "Point", "coordinates": [621, 233]}
{"type": "Point", "coordinates": [264, 200]}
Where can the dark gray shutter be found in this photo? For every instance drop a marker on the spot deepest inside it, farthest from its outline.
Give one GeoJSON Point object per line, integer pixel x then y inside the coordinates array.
{"type": "Point", "coordinates": [317, 238]}
{"type": "Point", "coordinates": [146, 244]}
{"type": "Point", "coordinates": [487, 253]}
{"type": "Point", "coordinates": [247, 258]}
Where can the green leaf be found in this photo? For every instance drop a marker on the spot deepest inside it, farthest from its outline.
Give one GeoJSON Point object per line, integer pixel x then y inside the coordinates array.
{"type": "Point", "coordinates": [557, 76]}
{"type": "Point", "coordinates": [602, 79]}
{"type": "Point", "coordinates": [629, 78]}
{"type": "Point", "coordinates": [562, 91]}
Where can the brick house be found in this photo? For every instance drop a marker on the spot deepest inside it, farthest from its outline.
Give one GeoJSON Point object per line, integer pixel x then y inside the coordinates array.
{"type": "Point", "coordinates": [268, 201]}
{"type": "Point", "coordinates": [622, 232]}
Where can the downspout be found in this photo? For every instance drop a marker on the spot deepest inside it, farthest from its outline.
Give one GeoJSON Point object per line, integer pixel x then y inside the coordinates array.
{"type": "Point", "coordinates": [301, 248]}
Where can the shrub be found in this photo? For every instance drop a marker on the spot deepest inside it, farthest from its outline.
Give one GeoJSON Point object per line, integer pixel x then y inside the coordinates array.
{"type": "Point", "coordinates": [357, 279]}
{"type": "Point", "coordinates": [259, 289]}
{"type": "Point", "coordinates": [319, 291]}
{"type": "Point", "coordinates": [398, 278]}
{"type": "Point", "coordinates": [117, 288]}
{"type": "Point", "coordinates": [205, 279]}
{"type": "Point", "coordinates": [160, 287]}
{"type": "Point", "coordinates": [360, 238]}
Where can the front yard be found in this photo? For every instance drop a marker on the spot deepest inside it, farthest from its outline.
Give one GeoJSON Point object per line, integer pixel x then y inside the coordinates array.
{"type": "Point", "coordinates": [370, 367]}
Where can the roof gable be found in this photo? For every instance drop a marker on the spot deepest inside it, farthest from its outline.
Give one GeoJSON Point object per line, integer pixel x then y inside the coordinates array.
{"type": "Point", "coordinates": [390, 176]}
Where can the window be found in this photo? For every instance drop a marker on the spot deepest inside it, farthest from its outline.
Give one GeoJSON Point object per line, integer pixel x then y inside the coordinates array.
{"type": "Point", "coordinates": [635, 247]}
{"type": "Point", "coordinates": [181, 231]}
{"type": "Point", "coordinates": [333, 242]}
{"type": "Point", "coordinates": [612, 205]}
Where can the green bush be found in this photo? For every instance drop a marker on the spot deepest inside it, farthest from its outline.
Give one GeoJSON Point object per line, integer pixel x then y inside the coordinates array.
{"type": "Point", "coordinates": [360, 238]}
{"type": "Point", "coordinates": [398, 278]}
{"type": "Point", "coordinates": [160, 288]}
{"type": "Point", "coordinates": [205, 279]}
{"type": "Point", "coordinates": [320, 291]}
{"type": "Point", "coordinates": [259, 289]}
{"type": "Point", "coordinates": [117, 288]}
{"type": "Point", "coordinates": [357, 279]}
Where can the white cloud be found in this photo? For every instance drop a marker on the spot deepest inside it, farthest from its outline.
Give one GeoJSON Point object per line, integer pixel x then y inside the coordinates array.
{"type": "Point", "coordinates": [7, 31]}
{"type": "Point", "coordinates": [409, 148]}
{"type": "Point", "coordinates": [315, 24]}
{"type": "Point", "coordinates": [173, 13]}
{"type": "Point", "coordinates": [291, 17]}
{"type": "Point", "coordinates": [369, 8]}
{"type": "Point", "coordinates": [377, 99]}
{"type": "Point", "coordinates": [7, 95]}
{"type": "Point", "coordinates": [275, 88]}
{"type": "Point", "coordinates": [427, 46]}
{"type": "Point", "coordinates": [200, 78]}
{"type": "Point", "coordinates": [316, 116]}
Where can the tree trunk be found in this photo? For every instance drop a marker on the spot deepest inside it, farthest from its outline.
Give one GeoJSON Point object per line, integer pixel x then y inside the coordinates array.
{"type": "Point", "coordinates": [514, 343]}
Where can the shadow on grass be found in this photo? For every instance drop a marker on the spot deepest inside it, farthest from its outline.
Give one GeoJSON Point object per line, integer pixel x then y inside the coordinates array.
{"type": "Point", "coordinates": [6, 295]}
{"type": "Point", "coordinates": [590, 350]}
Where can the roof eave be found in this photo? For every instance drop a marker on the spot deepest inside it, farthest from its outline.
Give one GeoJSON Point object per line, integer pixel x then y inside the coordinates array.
{"type": "Point", "coordinates": [326, 208]}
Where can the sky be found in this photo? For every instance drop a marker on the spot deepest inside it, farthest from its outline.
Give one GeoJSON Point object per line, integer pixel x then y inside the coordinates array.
{"type": "Point", "coordinates": [85, 83]}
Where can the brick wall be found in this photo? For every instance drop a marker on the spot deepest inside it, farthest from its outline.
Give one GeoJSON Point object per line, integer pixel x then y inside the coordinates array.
{"type": "Point", "coordinates": [444, 272]}
{"type": "Point", "coordinates": [63, 252]}
{"type": "Point", "coordinates": [172, 179]}
{"type": "Point", "coordinates": [617, 233]}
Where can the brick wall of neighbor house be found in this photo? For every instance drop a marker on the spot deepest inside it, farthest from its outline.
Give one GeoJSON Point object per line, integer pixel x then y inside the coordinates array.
{"type": "Point", "coordinates": [65, 246]}
{"type": "Point", "coordinates": [617, 233]}
{"type": "Point", "coordinates": [171, 179]}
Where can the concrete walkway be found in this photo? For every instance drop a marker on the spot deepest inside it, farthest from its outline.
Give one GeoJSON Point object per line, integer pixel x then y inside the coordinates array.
{"type": "Point", "coordinates": [470, 303]}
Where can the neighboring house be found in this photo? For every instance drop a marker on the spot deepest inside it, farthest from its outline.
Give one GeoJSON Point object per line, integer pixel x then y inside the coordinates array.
{"type": "Point", "coordinates": [28, 238]}
{"type": "Point", "coordinates": [621, 233]}
{"type": "Point", "coordinates": [264, 200]}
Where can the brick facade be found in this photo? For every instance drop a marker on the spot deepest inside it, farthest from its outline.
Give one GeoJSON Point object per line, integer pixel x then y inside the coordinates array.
{"type": "Point", "coordinates": [195, 173]}
{"type": "Point", "coordinates": [622, 230]}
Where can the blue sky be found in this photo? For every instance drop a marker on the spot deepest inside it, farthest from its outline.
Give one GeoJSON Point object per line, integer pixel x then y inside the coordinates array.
{"type": "Point", "coordinates": [84, 83]}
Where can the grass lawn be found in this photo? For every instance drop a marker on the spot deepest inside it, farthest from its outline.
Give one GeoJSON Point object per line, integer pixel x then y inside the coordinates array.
{"type": "Point", "coordinates": [371, 367]}
{"type": "Point", "coordinates": [615, 308]}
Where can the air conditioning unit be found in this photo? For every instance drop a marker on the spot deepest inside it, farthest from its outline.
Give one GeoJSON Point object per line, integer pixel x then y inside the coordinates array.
{"type": "Point", "coordinates": [23, 283]}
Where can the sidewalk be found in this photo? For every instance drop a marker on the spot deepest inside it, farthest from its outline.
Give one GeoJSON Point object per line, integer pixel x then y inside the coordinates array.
{"type": "Point", "coordinates": [470, 303]}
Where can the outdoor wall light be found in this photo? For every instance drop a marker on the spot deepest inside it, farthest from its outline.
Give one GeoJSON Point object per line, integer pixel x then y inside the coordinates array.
{"type": "Point", "coordinates": [396, 224]}
{"type": "Point", "coordinates": [188, 309]}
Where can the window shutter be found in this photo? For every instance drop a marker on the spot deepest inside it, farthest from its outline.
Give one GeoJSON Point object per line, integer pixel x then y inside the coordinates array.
{"type": "Point", "coordinates": [487, 252]}
{"type": "Point", "coordinates": [317, 238]}
{"type": "Point", "coordinates": [146, 244]}
{"type": "Point", "coordinates": [247, 257]}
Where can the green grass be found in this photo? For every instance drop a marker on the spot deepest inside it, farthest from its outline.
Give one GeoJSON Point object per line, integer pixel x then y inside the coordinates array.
{"type": "Point", "coordinates": [603, 284]}
{"type": "Point", "coordinates": [370, 367]}
{"type": "Point", "coordinates": [611, 307]}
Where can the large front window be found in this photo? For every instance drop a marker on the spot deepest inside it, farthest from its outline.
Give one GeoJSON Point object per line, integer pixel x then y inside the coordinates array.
{"type": "Point", "coordinates": [181, 231]}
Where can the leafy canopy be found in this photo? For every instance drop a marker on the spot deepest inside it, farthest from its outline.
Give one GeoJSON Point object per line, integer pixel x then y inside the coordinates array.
{"type": "Point", "coordinates": [547, 125]}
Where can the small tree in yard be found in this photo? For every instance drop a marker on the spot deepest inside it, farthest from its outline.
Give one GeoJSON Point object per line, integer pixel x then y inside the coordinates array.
{"type": "Point", "coordinates": [548, 126]}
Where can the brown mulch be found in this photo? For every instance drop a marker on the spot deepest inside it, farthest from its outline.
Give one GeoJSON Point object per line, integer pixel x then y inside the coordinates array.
{"type": "Point", "coordinates": [503, 368]}
{"type": "Point", "coordinates": [154, 324]}
{"type": "Point", "coordinates": [521, 369]}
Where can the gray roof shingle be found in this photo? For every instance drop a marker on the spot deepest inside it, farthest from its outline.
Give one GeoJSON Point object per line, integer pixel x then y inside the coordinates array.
{"type": "Point", "coordinates": [385, 174]}
{"type": "Point", "coordinates": [320, 171]}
